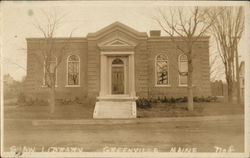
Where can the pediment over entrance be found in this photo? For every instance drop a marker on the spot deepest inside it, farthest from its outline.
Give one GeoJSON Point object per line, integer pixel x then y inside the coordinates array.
{"type": "Point", "coordinates": [114, 27]}
{"type": "Point", "coordinates": [117, 36]}
{"type": "Point", "coordinates": [117, 43]}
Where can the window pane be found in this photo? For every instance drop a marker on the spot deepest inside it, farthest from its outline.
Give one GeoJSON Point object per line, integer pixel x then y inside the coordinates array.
{"type": "Point", "coordinates": [162, 72]}
{"type": "Point", "coordinates": [162, 57]}
{"type": "Point", "coordinates": [183, 57]}
{"type": "Point", "coordinates": [73, 73]}
{"type": "Point", "coordinates": [73, 58]}
{"type": "Point", "coordinates": [183, 66]}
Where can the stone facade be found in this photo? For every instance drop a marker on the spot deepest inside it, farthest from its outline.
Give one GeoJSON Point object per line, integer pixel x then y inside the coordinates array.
{"type": "Point", "coordinates": [144, 50]}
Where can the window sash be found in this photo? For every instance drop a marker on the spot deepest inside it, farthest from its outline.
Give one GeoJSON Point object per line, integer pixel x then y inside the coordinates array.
{"type": "Point", "coordinates": [73, 73]}
{"type": "Point", "coordinates": [162, 75]}
{"type": "Point", "coordinates": [183, 66]}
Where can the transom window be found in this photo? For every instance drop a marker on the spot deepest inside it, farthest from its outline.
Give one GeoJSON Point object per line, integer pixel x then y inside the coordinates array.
{"type": "Point", "coordinates": [73, 75]}
{"type": "Point", "coordinates": [162, 74]}
{"type": "Point", "coordinates": [183, 69]}
{"type": "Point", "coordinates": [50, 71]}
{"type": "Point", "coordinates": [117, 61]}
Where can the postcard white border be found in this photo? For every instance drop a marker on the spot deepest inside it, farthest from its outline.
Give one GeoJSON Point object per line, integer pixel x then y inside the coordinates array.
{"type": "Point", "coordinates": [133, 3]}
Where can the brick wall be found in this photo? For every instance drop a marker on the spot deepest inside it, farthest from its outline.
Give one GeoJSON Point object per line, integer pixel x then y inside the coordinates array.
{"type": "Point", "coordinates": [145, 53]}
{"type": "Point", "coordinates": [200, 73]}
{"type": "Point", "coordinates": [141, 69]}
{"type": "Point", "coordinates": [93, 69]}
{"type": "Point", "coordinates": [34, 80]}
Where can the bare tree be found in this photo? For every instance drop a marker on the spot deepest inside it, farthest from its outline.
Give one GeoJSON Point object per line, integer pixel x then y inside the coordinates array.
{"type": "Point", "coordinates": [227, 30]}
{"type": "Point", "coordinates": [50, 52]}
{"type": "Point", "coordinates": [190, 25]}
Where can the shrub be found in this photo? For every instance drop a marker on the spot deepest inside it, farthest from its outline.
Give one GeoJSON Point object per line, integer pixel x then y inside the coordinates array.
{"type": "Point", "coordinates": [181, 99]}
{"type": "Point", "coordinates": [64, 101]}
{"type": "Point", "coordinates": [69, 101]}
{"type": "Point", "coordinates": [185, 99]}
{"type": "Point", "coordinates": [40, 102]}
{"type": "Point", "coordinates": [78, 100]}
{"type": "Point", "coordinates": [172, 100]}
{"type": "Point", "coordinates": [158, 99]}
{"type": "Point", "coordinates": [211, 99]}
{"type": "Point", "coordinates": [165, 99]}
{"type": "Point", "coordinates": [195, 99]}
{"type": "Point", "coordinates": [152, 100]}
{"type": "Point", "coordinates": [143, 103]}
{"type": "Point", "coordinates": [205, 99]}
{"type": "Point", "coordinates": [36, 102]}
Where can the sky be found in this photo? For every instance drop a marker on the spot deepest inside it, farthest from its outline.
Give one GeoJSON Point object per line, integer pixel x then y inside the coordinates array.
{"type": "Point", "coordinates": [82, 17]}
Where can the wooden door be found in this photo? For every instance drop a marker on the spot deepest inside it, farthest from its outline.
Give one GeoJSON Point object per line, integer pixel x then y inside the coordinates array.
{"type": "Point", "coordinates": [118, 80]}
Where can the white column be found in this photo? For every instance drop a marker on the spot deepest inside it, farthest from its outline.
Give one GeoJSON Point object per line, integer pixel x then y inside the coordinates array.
{"type": "Point", "coordinates": [103, 77]}
{"type": "Point", "coordinates": [132, 75]}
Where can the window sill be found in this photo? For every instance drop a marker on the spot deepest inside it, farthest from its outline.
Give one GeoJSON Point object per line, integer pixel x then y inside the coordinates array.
{"type": "Point", "coordinates": [185, 85]}
{"type": "Point", "coordinates": [182, 85]}
{"type": "Point", "coordinates": [72, 86]}
{"type": "Point", "coordinates": [163, 85]}
{"type": "Point", "coordinates": [44, 86]}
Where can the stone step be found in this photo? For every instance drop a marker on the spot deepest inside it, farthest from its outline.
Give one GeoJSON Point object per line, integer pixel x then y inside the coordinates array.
{"type": "Point", "coordinates": [115, 109]}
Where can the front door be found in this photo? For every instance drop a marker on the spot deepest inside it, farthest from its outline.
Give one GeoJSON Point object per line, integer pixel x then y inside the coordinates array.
{"type": "Point", "coordinates": [117, 76]}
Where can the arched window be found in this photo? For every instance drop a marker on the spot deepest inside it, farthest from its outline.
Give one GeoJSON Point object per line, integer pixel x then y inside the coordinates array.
{"type": "Point", "coordinates": [50, 71]}
{"type": "Point", "coordinates": [183, 69]}
{"type": "Point", "coordinates": [161, 70]}
{"type": "Point", "coordinates": [73, 74]}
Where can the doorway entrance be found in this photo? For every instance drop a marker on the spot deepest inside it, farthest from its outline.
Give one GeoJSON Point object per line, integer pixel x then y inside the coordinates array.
{"type": "Point", "coordinates": [118, 76]}
{"type": "Point", "coordinates": [117, 86]}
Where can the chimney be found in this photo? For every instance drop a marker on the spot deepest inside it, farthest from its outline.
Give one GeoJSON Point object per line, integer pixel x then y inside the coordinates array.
{"type": "Point", "coordinates": [155, 33]}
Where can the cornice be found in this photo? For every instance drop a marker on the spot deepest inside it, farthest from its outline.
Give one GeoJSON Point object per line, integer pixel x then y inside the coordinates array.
{"type": "Point", "coordinates": [58, 39]}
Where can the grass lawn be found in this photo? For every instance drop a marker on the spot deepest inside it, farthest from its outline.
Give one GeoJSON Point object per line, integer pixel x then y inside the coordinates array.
{"type": "Point", "coordinates": [81, 111]}
{"type": "Point", "coordinates": [203, 135]}
{"type": "Point", "coordinates": [200, 109]}
{"type": "Point", "coordinates": [186, 134]}
{"type": "Point", "coordinates": [72, 111]}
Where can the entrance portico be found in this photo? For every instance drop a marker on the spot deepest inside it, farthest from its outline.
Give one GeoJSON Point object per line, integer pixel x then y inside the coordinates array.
{"type": "Point", "coordinates": [117, 75]}
{"type": "Point", "coordinates": [117, 80]}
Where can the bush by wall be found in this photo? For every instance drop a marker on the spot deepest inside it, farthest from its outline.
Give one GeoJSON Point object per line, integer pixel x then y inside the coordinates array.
{"type": "Point", "coordinates": [42, 100]}
{"type": "Point", "coordinates": [146, 102]}
{"type": "Point", "coordinates": [143, 103]}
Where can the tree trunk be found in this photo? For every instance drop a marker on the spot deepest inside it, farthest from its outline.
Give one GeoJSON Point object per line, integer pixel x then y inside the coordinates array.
{"type": "Point", "coordinates": [230, 83]}
{"type": "Point", "coordinates": [52, 100]}
{"type": "Point", "coordinates": [230, 92]}
{"type": "Point", "coordinates": [190, 86]}
{"type": "Point", "coordinates": [237, 77]}
{"type": "Point", "coordinates": [190, 99]}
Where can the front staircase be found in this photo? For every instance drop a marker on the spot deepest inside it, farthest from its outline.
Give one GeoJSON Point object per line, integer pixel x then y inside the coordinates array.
{"type": "Point", "coordinates": [115, 109]}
